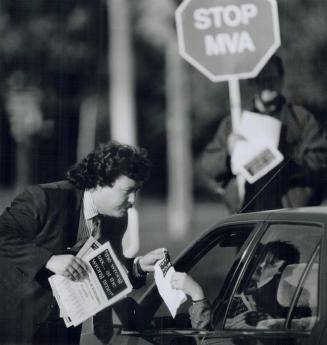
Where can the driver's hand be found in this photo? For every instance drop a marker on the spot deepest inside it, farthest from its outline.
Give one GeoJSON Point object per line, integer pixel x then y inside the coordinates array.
{"type": "Point", "coordinates": [182, 281]}
{"type": "Point", "coordinates": [232, 139]}
{"type": "Point", "coordinates": [253, 317]}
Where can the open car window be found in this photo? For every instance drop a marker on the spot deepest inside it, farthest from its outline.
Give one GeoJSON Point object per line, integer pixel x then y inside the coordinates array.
{"type": "Point", "coordinates": [279, 287]}
{"type": "Point", "coordinates": [207, 266]}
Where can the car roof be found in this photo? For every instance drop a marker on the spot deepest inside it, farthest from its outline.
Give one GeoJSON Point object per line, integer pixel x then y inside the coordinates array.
{"type": "Point", "coordinates": [315, 214]}
{"type": "Point", "coordinates": [311, 212]}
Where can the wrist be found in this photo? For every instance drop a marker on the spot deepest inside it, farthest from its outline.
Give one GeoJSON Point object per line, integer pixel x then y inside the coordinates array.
{"type": "Point", "coordinates": [138, 264]}
{"type": "Point", "coordinates": [138, 270]}
{"type": "Point", "coordinates": [198, 295]}
{"type": "Point", "coordinates": [204, 299]}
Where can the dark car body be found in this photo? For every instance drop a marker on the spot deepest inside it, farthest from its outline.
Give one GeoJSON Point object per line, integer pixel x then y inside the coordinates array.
{"type": "Point", "coordinates": [222, 260]}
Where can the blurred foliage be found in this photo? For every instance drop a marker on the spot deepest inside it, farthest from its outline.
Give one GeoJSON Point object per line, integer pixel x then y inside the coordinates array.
{"type": "Point", "coordinates": [57, 44]}
{"type": "Point", "coordinates": [62, 48]}
{"type": "Point", "coordinates": [303, 32]}
{"type": "Point", "coordinates": [58, 48]}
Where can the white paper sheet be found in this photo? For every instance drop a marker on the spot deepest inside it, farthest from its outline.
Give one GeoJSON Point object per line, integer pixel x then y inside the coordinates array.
{"type": "Point", "coordinates": [260, 128]}
{"type": "Point", "coordinates": [163, 271]}
{"type": "Point", "coordinates": [258, 153]}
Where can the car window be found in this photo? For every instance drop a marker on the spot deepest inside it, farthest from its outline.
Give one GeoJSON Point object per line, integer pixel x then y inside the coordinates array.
{"type": "Point", "coordinates": [279, 287]}
{"type": "Point", "coordinates": [210, 270]}
{"type": "Point", "coordinates": [298, 290]}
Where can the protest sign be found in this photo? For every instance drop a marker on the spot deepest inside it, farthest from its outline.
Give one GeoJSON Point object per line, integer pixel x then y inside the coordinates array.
{"type": "Point", "coordinates": [227, 39]}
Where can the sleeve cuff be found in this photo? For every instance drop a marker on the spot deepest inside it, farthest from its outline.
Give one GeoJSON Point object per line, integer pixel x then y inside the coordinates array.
{"type": "Point", "coordinates": [205, 299]}
{"type": "Point", "coordinates": [137, 270]}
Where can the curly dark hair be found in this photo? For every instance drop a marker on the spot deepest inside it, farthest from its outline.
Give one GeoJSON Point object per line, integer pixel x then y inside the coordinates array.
{"type": "Point", "coordinates": [105, 164]}
{"type": "Point", "coordinates": [283, 250]}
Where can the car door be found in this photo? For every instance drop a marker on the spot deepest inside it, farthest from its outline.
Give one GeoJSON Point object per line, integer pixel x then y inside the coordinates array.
{"type": "Point", "coordinates": [212, 260]}
{"type": "Point", "coordinates": [292, 297]}
{"type": "Point", "coordinates": [223, 261]}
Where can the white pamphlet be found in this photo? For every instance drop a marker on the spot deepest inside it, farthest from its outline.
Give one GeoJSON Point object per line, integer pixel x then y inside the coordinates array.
{"type": "Point", "coordinates": [258, 153]}
{"type": "Point", "coordinates": [173, 298]}
{"type": "Point", "coordinates": [106, 284]}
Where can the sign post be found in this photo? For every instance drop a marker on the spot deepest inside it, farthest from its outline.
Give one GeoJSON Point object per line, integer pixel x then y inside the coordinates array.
{"type": "Point", "coordinates": [228, 40]}
{"type": "Point", "coordinates": [235, 102]}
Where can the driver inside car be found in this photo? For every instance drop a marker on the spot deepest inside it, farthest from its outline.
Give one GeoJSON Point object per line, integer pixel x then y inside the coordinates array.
{"type": "Point", "coordinates": [254, 304]}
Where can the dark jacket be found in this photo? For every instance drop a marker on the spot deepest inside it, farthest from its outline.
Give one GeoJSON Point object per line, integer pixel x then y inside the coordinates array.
{"type": "Point", "coordinates": [41, 222]}
{"type": "Point", "coordinates": [304, 146]}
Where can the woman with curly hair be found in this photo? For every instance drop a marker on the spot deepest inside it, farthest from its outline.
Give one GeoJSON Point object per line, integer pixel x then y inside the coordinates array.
{"type": "Point", "coordinates": [47, 223]}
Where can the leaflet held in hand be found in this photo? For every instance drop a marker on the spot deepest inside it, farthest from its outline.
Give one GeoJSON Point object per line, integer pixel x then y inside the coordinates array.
{"type": "Point", "coordinates": [106, 284]}
{"type": "Point", "coordinates": [258, 153]}
{"type": "Point", "coordinates": [173, 298]}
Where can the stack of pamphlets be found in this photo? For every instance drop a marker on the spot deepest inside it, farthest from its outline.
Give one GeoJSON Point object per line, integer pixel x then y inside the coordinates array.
{"type": "Point", "coordinates": [107, 283]}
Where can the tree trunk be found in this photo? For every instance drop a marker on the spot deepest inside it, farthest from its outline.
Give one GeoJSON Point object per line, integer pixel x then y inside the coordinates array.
{"type": "Point", "coordinates": [121, 73]}
{"type": "Point", "coordinates": [122, 115]}
{"type": "Point", "coordinates": [87, 126]}
{"type": "Point", "coordinates": [180, 189]}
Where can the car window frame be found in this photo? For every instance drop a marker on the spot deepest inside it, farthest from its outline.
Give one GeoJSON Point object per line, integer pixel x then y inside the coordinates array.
{"type": "Point", "coordinates": [221, 305]}
{"type": "Point", "coordinates": [186, 260]}
{"type": "Point", "coordinates": [297, 293]}
{"type": "Point", "coordinates": [256, 240]}
{"type": "Point", "coordinates": [200, 335]}
{"type": "Point", "coordinates": [307, 336]}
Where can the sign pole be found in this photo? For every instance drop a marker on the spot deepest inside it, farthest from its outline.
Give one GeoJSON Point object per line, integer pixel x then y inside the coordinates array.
{"type": "Point", "coordinates": [235, 102]}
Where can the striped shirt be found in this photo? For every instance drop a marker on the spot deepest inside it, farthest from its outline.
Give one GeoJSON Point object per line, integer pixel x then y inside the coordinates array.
{"type": "Point", "coordinates": [86, 229]}
{"type": "Point", "coordinates": [87, 213]}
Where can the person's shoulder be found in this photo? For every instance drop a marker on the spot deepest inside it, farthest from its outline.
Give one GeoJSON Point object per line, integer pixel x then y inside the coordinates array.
{"type": "Point", "coordinates": [227, 118]}
{"type": "Point", "coordinates": [57, 190]}
{"type": "Point", "coordinates": [298, 116]}
{"type": "Point", "coordinates": [63, 185]}
{"type": "Point", "coordinates": [224, 124]}
{"type": "Point", "coordinates": [300, 112]}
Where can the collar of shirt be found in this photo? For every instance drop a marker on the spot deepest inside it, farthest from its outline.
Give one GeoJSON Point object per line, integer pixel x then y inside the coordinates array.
{"type": "Point", "coordinates": [89, 207]}
{"type": "Point", "coordinates": [87, 213]}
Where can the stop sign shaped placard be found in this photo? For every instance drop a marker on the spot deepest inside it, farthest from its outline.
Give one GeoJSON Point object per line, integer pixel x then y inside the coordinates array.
{"type": "Point", "coordinates": [227, 39]}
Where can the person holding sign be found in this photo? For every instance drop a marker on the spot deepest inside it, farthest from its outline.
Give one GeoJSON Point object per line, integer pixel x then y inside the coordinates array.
{"type": "Point", "coordinates": [46, 225]}
{"type": "Point", "coordinates": [301, 144]}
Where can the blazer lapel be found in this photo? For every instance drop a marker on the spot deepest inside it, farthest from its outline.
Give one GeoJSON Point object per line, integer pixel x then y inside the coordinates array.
{"type": "Point", "coordinates": [74, 212]}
